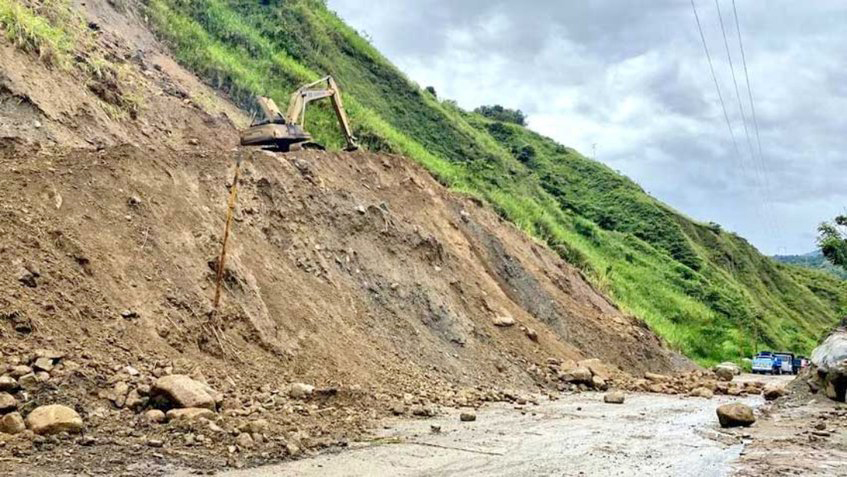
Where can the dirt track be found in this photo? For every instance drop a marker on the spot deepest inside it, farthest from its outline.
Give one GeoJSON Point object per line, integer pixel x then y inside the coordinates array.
{"type": "Point", "coordinates": [650, 434]}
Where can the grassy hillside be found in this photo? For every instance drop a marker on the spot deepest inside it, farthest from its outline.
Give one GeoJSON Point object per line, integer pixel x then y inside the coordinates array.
{"type": "Point", "coordinates": [707, 291]}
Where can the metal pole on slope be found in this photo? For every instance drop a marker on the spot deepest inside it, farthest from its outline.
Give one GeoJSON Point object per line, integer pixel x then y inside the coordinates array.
{"type": "Point", "coordinates": [233, 196]}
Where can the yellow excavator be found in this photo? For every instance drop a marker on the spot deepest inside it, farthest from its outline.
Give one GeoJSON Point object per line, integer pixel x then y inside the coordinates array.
{"type": "Point", "coordinates": [284, 132]}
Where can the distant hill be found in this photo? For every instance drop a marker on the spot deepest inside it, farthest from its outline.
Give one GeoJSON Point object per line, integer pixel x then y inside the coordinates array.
{"type": "Point", "coordinates": [814, 260]}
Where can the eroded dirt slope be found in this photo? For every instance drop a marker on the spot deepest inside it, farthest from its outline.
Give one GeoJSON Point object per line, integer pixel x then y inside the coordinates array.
{"type": "Point", "coordinates": [357, 273]}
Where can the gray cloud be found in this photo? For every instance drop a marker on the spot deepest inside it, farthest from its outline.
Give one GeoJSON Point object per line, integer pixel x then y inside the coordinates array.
{"type": "Point", "coordinates": [631, 77]}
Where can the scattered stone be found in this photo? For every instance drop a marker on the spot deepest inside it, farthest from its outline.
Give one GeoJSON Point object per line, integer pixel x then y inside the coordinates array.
{"type": "Point", "coordinates": [8, 384]}
{"type": "Point", "coordinates": [131, 371]}
{"type": "Point", "coordinates": [724, 373]}
{"type": "Point", "coordinates": [119, 394]}
{"type": "Point", "coordinates": [300, 390]}
{"type": "Point", "coordinates": [435, 429]}
{"type": "Point", "coordinates": [504, 321]}
{"type": "Point", "coordinates": [155, 415]}
{"type": "Point", "coordinates": [532, 334]}
{"type": "Point", "coordinates": [155, 443]}
{"type": "Point", "coordinates": [821, 426]}
{"type": "Point", "coordinates": [244, 441]}
{"type": "Point", "coordinates": [702, 392]}
{"type": "Point", "coordinates": [12, 423]}
{"type": "Point", "coordinates": [182, 391]}
{"type": "Point", "coordinates": [43, 364]}
{"type": "Point", "coordinates": [656, 378]}
{"type": "Point", "coordinates": [735, 415]}
{"type": "Point", "coordinates": [576, 375]}
{"type": "Point", "coordinates": [129, 314]}
{"type": "Point", "coordinates": [361, 209]}
{"type": "Point", "coordinates": [423, 411]}
{"type": "Point", "coordinates": [467, 416]}
{"type": "Point", "coordinates": [134, 400]}
{"type": "Point", "coordinates": [20, 370]}
{"type": "Point", "coordinates": [27, 278]}
{"type": "Point", "coordinates": [614, 397]}
{"type": "Point", "coordinates": [773, 390]}
{"type": "Point", "coordinates": [599, 383]}
{"type": "Point", "coordinates": [190, 414]}
{"type": "Point", "coordinates": [597, 368]}
{"type": "Point", "coordinates": [8, 403]}
{"type": "Point", "coordinates": [54, 419]}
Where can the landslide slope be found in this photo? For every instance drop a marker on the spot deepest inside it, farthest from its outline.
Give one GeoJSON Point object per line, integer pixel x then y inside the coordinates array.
{"type": "Point", "coordinates": [707, 291]}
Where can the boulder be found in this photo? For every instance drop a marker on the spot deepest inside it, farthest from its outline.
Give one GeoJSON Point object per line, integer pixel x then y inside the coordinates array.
{"type": "Point", "coordinates": [736, 369]}
{"type": "Point", "coordinates": [54, 419]}
{"type": "Point", "coordinates": [12, 423]}
{"type": "Point", "coordinates": [597, 368]}
{"type": "Point", "coordinates": [830, 361]}
{"type": "Point", "coordinates": [183, 392]}
{"type": "Point", "coordinates": [735, 415]}
{"type": "Point", "coordinates": [614, 397]}
{"type": "Point", "coordinates": [190, 414]}
{"type": "Point", "coordinates": [578, 375]}
{"type": "Point", "coordinates": [599, 383]}
{"type": "Point", "coordinates": [8, 403]}
{"type": "Point", "coordinates": [773, 391]}
{"type": "Point", "coordinates": [724, 373]}
{"type": "Point", "coordinates": [702, 392]}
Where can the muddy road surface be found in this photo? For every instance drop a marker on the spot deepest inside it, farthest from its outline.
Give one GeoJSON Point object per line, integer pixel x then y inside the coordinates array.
{"type": "Point", "coordinates": [650, 434]}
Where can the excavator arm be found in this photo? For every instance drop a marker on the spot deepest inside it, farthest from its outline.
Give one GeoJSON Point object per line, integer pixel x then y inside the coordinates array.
{"type": "Point", "coordinates": [308, 93]}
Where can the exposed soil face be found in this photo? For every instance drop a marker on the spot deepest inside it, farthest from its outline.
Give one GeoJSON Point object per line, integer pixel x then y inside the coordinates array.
{"type": "Point", "coordinates": [354, 272]}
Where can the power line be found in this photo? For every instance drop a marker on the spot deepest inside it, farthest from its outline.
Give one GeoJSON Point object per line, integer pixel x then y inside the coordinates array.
{"type": "Point", "coordinates": [715, 79]}
{"type": "Point", "coordinates": [758, 170]}
{"type": "Point", "coordinates": [735, 83]}
{"type": "Point", "coordinates": [762, 162]}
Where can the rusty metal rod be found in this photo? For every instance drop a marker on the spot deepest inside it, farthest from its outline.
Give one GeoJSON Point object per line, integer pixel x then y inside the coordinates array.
{"type": "Point", "coordinates": [233, 196]}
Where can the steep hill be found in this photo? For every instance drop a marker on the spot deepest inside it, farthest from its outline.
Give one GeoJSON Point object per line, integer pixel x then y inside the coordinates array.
{"type": "Point", "coordinates": [707, 291]}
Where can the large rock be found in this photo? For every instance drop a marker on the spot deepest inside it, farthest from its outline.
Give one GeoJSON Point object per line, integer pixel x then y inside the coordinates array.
{"type": "Point", "coordinates": [830, 361]}
{"type": "Point", "coordinates": [614, 397]}
{"type": "Point", "coordinates": [182, 391]}
{"type": "Point", "coordinates": [8, 403]}
{"type": "Point", "coordinates": [597, 368]}
{"type": "Point", "coordinates": [735, 415]}
{"type": "Point", "coordinates": [724, 373]}
{"type": "Point", "coordinates": [12, 423]}
{"type": "Point", "coordinates": [578, 375]}
{"type": "Point", "coordinates": [773, 391]}
{"type": "Point", "coordinates": [53, 419]}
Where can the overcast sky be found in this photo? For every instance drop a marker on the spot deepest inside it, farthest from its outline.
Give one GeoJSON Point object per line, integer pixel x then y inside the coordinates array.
{"type": "Point", "coordinates": [631, 77]}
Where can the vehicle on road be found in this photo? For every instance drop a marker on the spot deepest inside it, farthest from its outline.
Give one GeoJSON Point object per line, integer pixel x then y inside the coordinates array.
{"type": "Point", "coordinates": [787, 363]}
{"type": "Point", "coordinates": [766, 362]}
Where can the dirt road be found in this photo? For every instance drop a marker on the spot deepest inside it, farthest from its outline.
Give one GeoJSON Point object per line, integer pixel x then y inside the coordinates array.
{"type": "Point", "coordinates": [658, 435]}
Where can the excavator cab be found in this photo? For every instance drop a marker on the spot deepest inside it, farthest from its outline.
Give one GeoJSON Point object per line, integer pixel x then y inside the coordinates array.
{"type": "Point", "coordinates": [284, 132]}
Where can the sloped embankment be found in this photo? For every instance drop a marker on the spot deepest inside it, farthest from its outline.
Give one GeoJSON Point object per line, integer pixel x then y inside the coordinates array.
{"type": "Point", "coordinates": [345, 268]}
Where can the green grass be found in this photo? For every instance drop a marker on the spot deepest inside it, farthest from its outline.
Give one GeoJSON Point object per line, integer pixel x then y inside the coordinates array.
{"type": "Point", "coordinates": [34, 32]}
{"type": "Point", "coordinates": [708, 292]}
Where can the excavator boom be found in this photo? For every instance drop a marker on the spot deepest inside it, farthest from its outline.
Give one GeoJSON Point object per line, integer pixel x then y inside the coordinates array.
{"type": "Point", "coordinates": [285, 131]}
